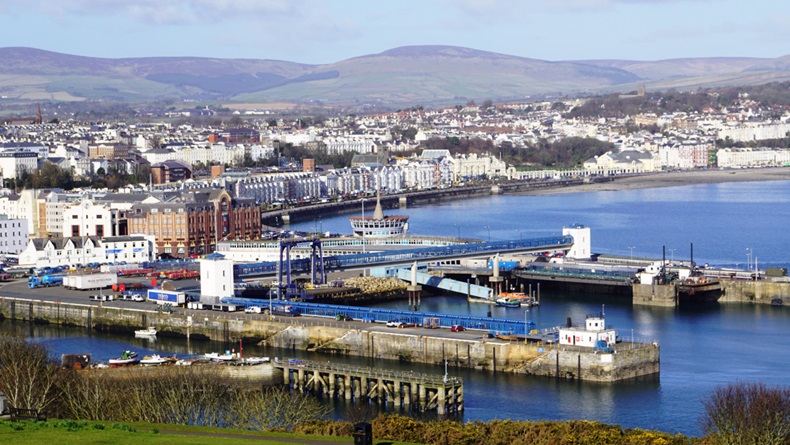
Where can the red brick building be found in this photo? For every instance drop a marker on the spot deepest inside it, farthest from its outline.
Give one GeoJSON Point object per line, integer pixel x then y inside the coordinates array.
{"type": "Point", "coordinates": [192, 223]}
{"type": "Point", "coordinates": [170, 171]}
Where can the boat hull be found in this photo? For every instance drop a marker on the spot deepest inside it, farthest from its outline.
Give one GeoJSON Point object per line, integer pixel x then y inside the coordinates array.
{"type": "Point", "coordinates": [699, 293]}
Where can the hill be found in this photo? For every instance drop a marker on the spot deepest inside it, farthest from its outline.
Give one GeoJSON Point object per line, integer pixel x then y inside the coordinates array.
{"type": "Point", "coordinates": [407, 75]}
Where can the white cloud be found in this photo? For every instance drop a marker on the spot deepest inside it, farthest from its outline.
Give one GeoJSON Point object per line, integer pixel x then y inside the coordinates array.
{"type": "Point", "coordinates": [177, 12]}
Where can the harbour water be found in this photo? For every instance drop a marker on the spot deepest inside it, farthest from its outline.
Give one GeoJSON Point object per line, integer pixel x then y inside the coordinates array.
{"type": "Point", "coordinates": [700, 349]}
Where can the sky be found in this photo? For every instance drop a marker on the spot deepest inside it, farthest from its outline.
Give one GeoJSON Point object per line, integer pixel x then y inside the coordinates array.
{"type": "Point", "coordinates": [326, 31]}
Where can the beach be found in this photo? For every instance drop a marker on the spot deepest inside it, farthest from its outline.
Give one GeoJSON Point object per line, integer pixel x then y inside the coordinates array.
{"type": "Point", "coordinates": [673, 179]}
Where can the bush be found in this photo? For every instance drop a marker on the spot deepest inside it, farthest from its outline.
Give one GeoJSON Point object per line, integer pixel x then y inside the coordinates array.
{"type": "Point", "coordinates": [748, 413]}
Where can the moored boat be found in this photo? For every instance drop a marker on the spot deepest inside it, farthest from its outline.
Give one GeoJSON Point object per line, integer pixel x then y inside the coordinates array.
{"type": "Point", "coordinates": [127, 358]}
{"type": "Point", "coordinates": [698, 290]}
{"type": "Point", "coordinates": [508, 302]}
{"type": "Point", "coordinates": [520, 297]}
{"type": "Point", "coordinates": [217, 357]}
{"type": "Point", "coordinates": [255, 360]}
{"type": "Point", "coordinates": [150, 331]}
{"type": "Point", "coordinates": [154, 360]}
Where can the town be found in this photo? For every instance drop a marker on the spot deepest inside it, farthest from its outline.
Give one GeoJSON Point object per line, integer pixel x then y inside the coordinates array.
{"type": "Point", "coordinates": [178, 174]}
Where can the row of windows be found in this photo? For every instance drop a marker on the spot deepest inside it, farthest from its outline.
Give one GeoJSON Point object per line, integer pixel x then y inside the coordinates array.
{"type": "Point", "coordinates": [96, 216]}
{"type": "Point", "coordinates": [13, 225]}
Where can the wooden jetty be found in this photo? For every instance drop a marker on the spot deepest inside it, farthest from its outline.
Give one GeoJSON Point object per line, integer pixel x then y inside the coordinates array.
{"type": "Point", "coordinates": [420, 391]}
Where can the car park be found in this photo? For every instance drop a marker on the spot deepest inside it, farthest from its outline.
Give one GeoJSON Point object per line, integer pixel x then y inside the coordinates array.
{"type": "Point", "coordinates": [457, 328]}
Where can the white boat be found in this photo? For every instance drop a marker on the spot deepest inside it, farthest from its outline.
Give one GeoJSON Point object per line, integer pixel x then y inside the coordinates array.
{"type": "Point", "coordinates": [127, 358]}
{"type": "Point", "coordinates": [219, 357]}
{"type": "Point", "coordinates": [148, 332]}
{"type": "Point", "coordinates": [255, 360]}
{"type": "Point", "coordinates": [153, 360]}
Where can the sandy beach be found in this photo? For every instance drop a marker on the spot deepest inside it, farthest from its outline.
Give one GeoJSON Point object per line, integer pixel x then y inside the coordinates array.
{"type": "Point", "coordinates": [674, 179]}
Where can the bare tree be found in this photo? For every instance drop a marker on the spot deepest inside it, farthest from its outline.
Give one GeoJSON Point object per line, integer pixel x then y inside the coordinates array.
{"type": "Point", "coordinates": [86, 396]}
{"type": "Point", "coordinates": [28, 377]}
{"type": "Point", "coordinates": [275, 409]}
{"type": "Point", "coordinates": [748, 413]}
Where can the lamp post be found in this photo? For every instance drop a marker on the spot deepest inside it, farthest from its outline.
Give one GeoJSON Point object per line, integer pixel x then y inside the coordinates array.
{"type": "Point", "coordinates": [631, 248]}
{"type": "Point", "coordinates": [749, 259]}
{"type": "Point", "coordinates": [672, 257]}
{"type": "Point", "coordinates": [458, 226]}
{"type": "Point", "coordinates": [489, 232]}
{"type": "Point", "coordinates": [526, 326]}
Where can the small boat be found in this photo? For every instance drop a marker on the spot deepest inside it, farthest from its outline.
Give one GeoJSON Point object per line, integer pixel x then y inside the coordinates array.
{"type": "Point", "coordinates": [508, 302]}
{"type": "Point", "coordinates": [127, 358]}
{"type": "Point", "coordinates": [153, 360]}
{"type": "Point", "coordinates": [150, 331]}
{"type": "Point", "coordinates": [520, 297]}
{"type": "Point", "coordinates": [254, 360]}
{"type": "Point", "coordinates": [217, 357]}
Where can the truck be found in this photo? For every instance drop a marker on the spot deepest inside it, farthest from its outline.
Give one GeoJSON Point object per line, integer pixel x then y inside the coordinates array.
{"type": "Point", "coordinates": [44, 281]}
{"type": "Point", "coordinates": [287, 311]}
{"type": "Point", "coordinates": [114, 268]}
{"type": "Point", "coordinates": [90, 281]}
{"type": "Point", "coordinates": [159, 296]}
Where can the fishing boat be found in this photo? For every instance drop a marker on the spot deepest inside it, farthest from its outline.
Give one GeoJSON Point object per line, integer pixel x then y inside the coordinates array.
{"type": "Point", "coordinates": [519, 297]}
{"type": "Point", "coordinates": [150, 331]}
{"type": "Point", "coordinates": [508, 302]}
{"type": "Point", "coordinates": [127, 358]}
{"type": "Point", "coordinates": [153, 360]}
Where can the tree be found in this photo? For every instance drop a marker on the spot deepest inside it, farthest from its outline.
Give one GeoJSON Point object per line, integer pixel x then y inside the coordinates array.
{"type": "Point", "coordinates": [748, 413]}
{"type": "Point", "coordinates": [236, 122]}
{"type": "Point", "coordinates": [28, 377]}
{"type": "Point", "coordinates": [487, 104]}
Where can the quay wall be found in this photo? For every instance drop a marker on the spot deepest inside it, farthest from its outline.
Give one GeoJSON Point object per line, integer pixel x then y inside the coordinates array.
{"type": "Point", "coordinates": [628, 361]}
{"type": "Point", "coordinates": [734, 291]}
{"type": "Point", "coordinates": [759, 292]}
{"type": "Point", "coordinates": [653, 295]}
{"type": "Point", "coordinates": [330, 336]}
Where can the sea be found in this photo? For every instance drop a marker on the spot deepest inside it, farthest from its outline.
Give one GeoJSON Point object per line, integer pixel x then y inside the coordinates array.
{"type": "Point", "coordinates": [728, 224]}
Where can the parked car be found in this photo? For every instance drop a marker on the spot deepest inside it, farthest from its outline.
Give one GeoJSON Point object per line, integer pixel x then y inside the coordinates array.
{"type": "Point", "coordinates": [457, 328]}
{"type": "Point", "coordinates": [394, 324]}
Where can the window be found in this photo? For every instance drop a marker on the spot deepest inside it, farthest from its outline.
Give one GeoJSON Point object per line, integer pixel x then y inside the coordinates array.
{"type": "Point", "coordinates": [100, 231]}
{"type": "Point", "coordinates": [75, 230]}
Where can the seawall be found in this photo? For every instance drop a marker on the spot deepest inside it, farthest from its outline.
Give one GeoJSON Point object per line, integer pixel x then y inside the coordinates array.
{"type": "Point", "coordinates": [329, 336]}
{"type": "Point", "coordinates": [734, 291]}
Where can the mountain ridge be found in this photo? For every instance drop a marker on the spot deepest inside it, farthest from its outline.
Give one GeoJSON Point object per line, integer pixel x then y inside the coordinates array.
{"type": "Point", "coordinates": [404, 75]}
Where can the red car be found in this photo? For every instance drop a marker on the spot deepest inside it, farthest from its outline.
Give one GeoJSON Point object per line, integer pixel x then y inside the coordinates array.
{"type": "Point", "coordinates": [457, 328]}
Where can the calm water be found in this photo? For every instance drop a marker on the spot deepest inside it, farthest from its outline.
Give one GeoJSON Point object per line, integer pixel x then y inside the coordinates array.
{"type": "Point", "coordinates": [699, 349]}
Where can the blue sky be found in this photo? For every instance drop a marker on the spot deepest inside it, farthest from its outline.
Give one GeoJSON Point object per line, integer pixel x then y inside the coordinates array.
{"type": "Point", "coordinates": [325, 31]}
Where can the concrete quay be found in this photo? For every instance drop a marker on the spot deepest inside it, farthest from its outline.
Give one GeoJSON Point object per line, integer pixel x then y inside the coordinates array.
{"type": "Point", "coordinates": [470, 348]}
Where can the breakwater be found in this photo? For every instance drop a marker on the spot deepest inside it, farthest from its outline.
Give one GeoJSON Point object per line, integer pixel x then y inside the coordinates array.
{"type": "Point", "coordinates": [417, 345]}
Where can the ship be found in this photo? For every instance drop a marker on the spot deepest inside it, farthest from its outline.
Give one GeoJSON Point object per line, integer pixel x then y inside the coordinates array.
{"type": "Point", "coordinates": [379, 225]}
{"type": "Point", "coordinates": [697, 290]}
